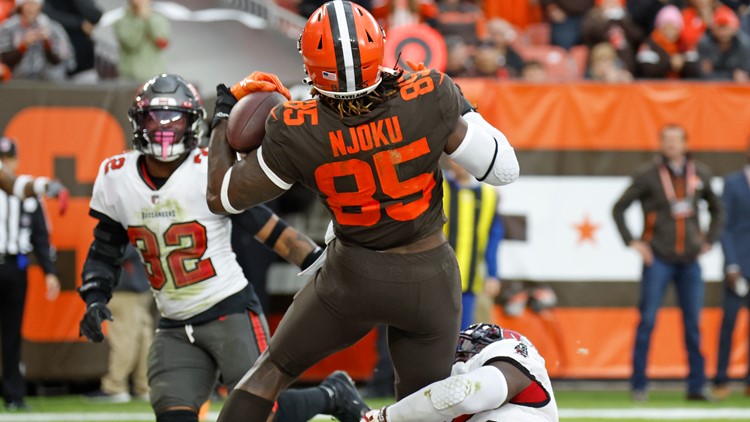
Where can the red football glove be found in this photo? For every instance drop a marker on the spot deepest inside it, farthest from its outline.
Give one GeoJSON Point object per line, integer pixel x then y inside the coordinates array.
{"type": "Point", "coordinates": [257, 82]}
{"type": "Point", "coordinates": [417, 67]}
{"type": "Point", "coordinates": [55, 189]}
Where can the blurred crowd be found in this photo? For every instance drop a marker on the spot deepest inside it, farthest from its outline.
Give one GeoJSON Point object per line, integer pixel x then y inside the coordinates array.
{"type": "Point", "coordinates": [531, 40]}
{"type": "Point", "coordinates": [52, 40]}
{"type": "Point", "coordinates": [568, 40]}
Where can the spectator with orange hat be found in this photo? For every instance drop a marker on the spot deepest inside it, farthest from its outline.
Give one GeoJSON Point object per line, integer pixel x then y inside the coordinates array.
{"type": "Point", "coordinates": [662, 55]}
{"type": "Point", "coordinates": [725, 51]}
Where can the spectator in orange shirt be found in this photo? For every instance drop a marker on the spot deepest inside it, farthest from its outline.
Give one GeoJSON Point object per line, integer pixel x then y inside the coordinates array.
{"type": "Point", "coordinates": [662, 55]}
{"type": "Point", "coordinates": [394, 13]}
{"type": "Point", "coordinates": [695, 17]}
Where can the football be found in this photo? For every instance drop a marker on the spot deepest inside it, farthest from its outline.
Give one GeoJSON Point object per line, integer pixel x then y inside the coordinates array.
{"type": "Point", "coordinates": [247, 120]}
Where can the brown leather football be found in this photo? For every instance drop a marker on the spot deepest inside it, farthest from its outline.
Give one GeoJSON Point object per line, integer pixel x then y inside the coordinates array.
{"type": "Point", "coordinates": [247, 120]}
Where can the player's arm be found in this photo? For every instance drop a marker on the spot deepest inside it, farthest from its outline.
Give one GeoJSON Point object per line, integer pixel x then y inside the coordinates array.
{"type": "Point", "coordinates": [485, 388]}
{"type": "Point", "coordinates": [234, 186]}
{"type": "Point", "coordinates": [480, 148]}
{"type": "Point", "coordinates": [277, 235]}
{"type": "Point", "coordinates": [101, 274]}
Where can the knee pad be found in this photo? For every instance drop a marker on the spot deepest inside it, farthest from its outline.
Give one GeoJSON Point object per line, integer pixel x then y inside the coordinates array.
{"type": "Point", "coordinates": [451, 391]}
{"type": "Point", "coordinates": [181, 415]}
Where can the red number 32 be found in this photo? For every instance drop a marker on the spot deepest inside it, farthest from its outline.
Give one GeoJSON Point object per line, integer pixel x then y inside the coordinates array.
{"type": "Point", "coordinates": [385, 167]}
{"type": "Point", "coordinates": [147, 243]}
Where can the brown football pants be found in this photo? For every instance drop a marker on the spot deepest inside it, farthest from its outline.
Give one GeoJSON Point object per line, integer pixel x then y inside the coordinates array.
{"type": "Point", "coordinates": [418, 295]}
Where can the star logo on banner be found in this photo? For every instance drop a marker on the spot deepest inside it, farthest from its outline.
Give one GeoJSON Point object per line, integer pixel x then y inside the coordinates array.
{"type": "Point", "coordinates": [586, 230]}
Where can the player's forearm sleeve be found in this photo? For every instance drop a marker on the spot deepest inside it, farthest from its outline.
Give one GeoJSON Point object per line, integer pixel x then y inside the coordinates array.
{"type": "Point", "coordinates": [102, 266]}
{"type": "Point", "coordinates": [486, 153]}
{"type": "Point", "coordinates": [466, 394]}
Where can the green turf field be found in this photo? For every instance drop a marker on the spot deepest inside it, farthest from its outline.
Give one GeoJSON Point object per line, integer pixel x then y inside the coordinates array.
{"type": "Point", "coordinates": [584, 406]}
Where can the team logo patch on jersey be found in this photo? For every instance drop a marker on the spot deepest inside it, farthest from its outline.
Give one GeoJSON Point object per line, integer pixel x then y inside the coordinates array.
{"type": "Point", "coordinates": [154, 199]}
{"type": "Point", "coordinates": [522, 350]}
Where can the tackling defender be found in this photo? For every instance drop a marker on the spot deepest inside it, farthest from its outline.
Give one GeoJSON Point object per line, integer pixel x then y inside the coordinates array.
{"type": "Point", "coordinates": [369, 146]}
{"type": "Point", "coordinates": [498, 376]}
{"type": "Point", "coordinates": [212, 323]}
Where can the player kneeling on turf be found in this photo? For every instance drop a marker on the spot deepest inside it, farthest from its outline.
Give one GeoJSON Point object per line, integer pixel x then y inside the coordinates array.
{"type": "Point", "coordinates": [498, 375]}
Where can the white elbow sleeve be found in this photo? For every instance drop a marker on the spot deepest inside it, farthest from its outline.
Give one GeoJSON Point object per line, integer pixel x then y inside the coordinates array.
{"type": "Point", "coordinates": [486, 153]}
{"type": "Point", "coordinates": [224, 194]}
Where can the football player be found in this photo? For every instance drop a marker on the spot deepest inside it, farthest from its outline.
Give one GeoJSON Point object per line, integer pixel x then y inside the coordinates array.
{"type": "Point", "coordinates": [368, 144]}
{"type": "Point", "coordinates": [211, 321]}
{"type": "Point", "coordinates": [498, 376]}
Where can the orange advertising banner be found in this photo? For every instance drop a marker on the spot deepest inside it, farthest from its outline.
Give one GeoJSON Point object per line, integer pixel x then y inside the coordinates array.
{"type": "Point", "coordinates": [596, 116]}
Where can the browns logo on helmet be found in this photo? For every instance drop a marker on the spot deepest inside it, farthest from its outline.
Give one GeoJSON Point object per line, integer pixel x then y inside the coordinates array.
{"type": "Point", "coordinates": [166, 115]}
{"type": "Point", "coordinates": [342, 47]}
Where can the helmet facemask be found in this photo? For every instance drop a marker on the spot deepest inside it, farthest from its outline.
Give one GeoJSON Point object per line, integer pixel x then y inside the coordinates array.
{"type": "Point", "coordinates": [475, 338]}
{"type": "Point", "coordinates": [165, 134]}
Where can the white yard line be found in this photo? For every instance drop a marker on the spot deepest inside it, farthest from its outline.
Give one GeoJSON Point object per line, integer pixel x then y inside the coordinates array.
{"type": "Point", "coordinates": [645, 414]}
{"type": "Point", "coordinates": [658, 414]}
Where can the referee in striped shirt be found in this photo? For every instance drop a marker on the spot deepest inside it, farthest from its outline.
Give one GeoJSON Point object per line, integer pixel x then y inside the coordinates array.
{"type": "Point", "coordinates": [23, 228]}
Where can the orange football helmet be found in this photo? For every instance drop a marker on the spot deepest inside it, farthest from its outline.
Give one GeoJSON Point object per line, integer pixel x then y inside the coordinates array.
{"type": "Point", "coordinates": [342, 47]}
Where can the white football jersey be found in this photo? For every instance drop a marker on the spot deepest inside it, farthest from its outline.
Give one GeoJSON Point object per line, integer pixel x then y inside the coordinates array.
{"type": "Point", "coordinates": [185, 248]}
{"type": "Point", "coordinates": [518, 350]}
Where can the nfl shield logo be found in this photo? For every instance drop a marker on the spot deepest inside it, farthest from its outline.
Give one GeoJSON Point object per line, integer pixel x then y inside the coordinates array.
{"type": "Point", "coordinates": [154, 199]}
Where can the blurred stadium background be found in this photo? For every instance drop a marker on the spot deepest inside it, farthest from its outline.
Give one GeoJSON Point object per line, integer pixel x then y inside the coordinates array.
{"type": "Point", "coordinates": [577, 141]}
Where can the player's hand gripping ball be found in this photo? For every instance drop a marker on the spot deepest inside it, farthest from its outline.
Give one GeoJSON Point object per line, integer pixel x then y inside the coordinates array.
{"type": "Point", "coordinates": [247, 120]}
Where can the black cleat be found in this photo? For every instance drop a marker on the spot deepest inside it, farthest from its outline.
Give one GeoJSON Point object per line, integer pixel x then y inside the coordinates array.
{"type": "Point", "coordinates": [348, 405]}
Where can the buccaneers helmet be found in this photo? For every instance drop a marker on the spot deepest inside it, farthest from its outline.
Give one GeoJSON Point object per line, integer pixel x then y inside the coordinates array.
{"type": "Point", "coordinates": [475, 338]}
{"type": "Point", "coordinates": [167, 116]}
{"type": "Point", "coordinates": [342, 47]}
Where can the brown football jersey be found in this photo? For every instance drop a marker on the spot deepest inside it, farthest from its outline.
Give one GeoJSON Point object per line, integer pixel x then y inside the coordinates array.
{"type": "Point", "coordinates": [378, 173]}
